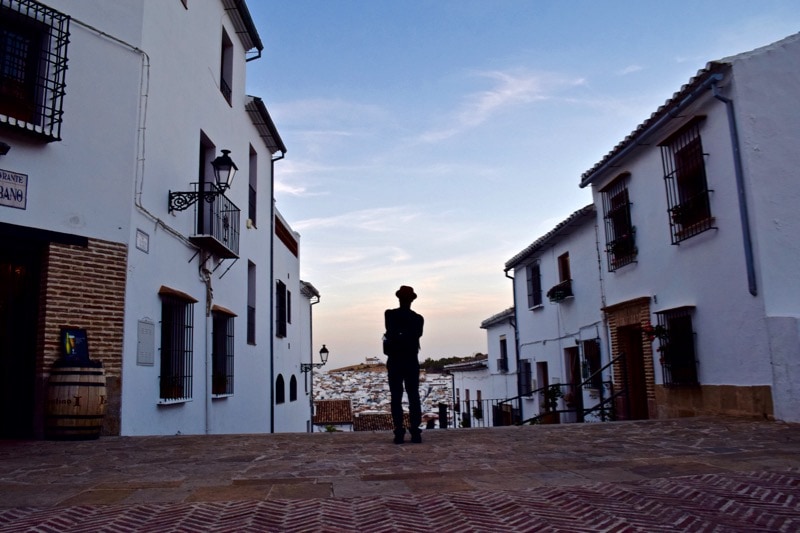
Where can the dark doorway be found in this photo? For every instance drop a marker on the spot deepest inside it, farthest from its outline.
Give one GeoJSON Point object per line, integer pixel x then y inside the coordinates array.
{"type": "Point", "coordinates": [19, 304]}
{"type": "Point", "coordinates": [633, 373]}
{"type": "Point", "coordinates": [574, 396]}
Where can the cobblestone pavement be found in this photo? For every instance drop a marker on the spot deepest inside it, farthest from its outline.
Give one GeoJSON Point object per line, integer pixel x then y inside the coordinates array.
{"type": "Point", "coordinates": [692, 474]}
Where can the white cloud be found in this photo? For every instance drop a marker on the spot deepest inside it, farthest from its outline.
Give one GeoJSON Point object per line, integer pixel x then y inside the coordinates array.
{"type": "Point", "coordinates": [630, 69]}
{"type": "Point", "coordinates": [379, 219]}
{"type": "Point", "coordinates": [509, 88]}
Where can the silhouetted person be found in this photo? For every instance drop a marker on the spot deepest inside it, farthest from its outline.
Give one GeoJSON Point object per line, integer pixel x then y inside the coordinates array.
{"type": "Point", "coordinates": [401, 345]}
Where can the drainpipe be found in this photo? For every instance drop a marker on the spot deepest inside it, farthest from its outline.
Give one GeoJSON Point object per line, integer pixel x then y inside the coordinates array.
{"type": "Point", "coordinates": [516, 342]}
{"type": "Point", "coordinates": [744, 216]}
{"type": "Point", "coordinates": [311, 371]}
{"type": "Point", "coordinates": [206, 276]}
{"type": "Point", "coordinates": [271, 292]}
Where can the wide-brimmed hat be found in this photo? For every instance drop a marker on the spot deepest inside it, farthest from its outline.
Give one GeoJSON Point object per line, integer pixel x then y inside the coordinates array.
{"type": "Point", "coordinates": [406, 292]}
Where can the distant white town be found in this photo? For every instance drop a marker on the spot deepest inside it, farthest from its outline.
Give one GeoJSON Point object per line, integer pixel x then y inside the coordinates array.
{"type": "Point", "coordinates": [366, 386]}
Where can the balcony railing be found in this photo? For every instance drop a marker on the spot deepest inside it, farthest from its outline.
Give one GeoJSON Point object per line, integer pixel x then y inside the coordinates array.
{"type": "Point", "coordinates": [217, 228]}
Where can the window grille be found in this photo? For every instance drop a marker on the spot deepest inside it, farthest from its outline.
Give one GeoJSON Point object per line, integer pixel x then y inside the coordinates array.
{"type": "Point", "coordinates": [176, 348]}
{"type": "Point", "coordinates": [688, 205]}
{"type": "Point", "coordinates": [620, 233]}
{"type": "Point", "coordinates": [525, 378]}
{"type": "Point", "coordinates": [222, 354]}
{"type": "Point", "coordinates": [534, 285]}
{"type": "Point", "coordinates": [676, 347]}
{"type": "Point", "coordinates": [33, 66]}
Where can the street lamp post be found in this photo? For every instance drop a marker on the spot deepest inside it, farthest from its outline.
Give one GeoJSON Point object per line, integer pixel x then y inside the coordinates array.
{"type": "Point", "coordinates": [308, 367]}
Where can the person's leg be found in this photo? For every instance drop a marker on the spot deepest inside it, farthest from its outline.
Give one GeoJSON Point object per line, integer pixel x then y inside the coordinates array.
{"type": "Point", "coordinates": [396, 392]}
{"type": "Point", "coordinates": [414, 408]}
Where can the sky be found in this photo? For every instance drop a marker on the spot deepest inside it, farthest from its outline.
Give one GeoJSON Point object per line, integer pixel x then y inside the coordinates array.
{"type": "Point", "coordinates": [428, 142]}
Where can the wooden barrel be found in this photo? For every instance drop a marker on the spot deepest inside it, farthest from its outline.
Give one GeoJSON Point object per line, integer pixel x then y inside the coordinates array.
{"type": "Point", "coordinates": [76, 403]}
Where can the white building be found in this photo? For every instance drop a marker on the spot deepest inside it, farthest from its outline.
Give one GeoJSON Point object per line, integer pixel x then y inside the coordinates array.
{"type": "Point", "coordinates": [489, 384]}
{"type": "Point", "coordinates": [558, 299]}
{"type": "Point", "coordinates": [699, 228]}
{"type": "Point", "coordinates": [116, 226]}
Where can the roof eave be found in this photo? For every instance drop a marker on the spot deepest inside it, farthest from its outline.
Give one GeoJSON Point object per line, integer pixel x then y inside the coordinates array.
{"type": "Point", "coordinates": [243, 24]}
{"type": "Point", "coordinates": [688, 94]}
{"type": "Point", "coordinates": [264, 124]}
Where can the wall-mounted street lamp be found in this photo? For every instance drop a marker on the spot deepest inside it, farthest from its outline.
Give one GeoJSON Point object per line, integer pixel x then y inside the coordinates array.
{"type": "Point", "coordinates": [224, 171]}
{"type": "Point", "coordinates": [323, 356]}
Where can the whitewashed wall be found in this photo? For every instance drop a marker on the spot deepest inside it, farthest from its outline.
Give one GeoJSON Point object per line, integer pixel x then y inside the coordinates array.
{"type": "Point", "coordinates": [290, 351]}
{"type": "Point", "coordinates": [141, 106]}
{"type": "Point", "coordinates": [94, 163]}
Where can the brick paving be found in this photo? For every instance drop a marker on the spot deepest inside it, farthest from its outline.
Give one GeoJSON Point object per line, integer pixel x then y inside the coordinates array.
{"type": "Point", "coordinates": [694, 474]}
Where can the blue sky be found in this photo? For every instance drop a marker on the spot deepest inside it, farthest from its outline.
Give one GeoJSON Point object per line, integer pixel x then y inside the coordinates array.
{"type": "Point", "coordinates": [430, 141]}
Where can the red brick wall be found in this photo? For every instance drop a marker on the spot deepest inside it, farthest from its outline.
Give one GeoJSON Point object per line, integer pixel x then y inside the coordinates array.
{"type": "Point", "coordinates": [85, 288]}
{"type": "Point", "coordinates": [633, 313]}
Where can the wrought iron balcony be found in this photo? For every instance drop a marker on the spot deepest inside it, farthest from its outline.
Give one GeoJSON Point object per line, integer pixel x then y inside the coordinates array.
{"type": "Point", "coordinates": [217, 227]}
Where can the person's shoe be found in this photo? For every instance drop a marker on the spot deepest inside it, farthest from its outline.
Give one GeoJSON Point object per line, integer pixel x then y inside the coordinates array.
{"type": "Point", "coordinates": [399, 436]}
{"type": "Point", "coordinates": [416, 437]}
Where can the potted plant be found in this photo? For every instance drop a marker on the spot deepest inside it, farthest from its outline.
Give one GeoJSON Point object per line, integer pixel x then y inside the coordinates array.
{"type": "Point", "coordinates": [552, 394]}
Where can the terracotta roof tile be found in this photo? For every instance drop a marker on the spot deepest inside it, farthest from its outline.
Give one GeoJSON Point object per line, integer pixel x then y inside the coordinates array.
{"type": "Point", "coordinates": [376, 422]}
{"type": "Point", "coordinates": [333, 412]}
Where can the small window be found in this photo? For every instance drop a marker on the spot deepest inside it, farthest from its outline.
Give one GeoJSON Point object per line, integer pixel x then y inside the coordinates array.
{"type": "Point", "coordinates": [226, 67]}
{"type": "Point", "coordinates": [592, 376]}
{"type": "Point", "coordinates": [252, 196]}
{"type": "Point", "coordinates": [620, 238]}
{"type": "Point", "coordinates": [251, 303]}
{"type": "Point", "coordinates": [293, 389]}
{"type": "Point", "coordinates": [222, 353]}
{"type": "Point", "coordinates": [676, 347]}
{"type": "Point", "coordinates": [33, 66]}
{"type": "Point", "coordinates": [563, 267]}
{"type": "Point", "coordinates": [280, 309]}
{"type": "Point", "coordinates": [280, 390]}
{"type": "Point", "coordinates": [525, 378]}
{"type": "Point", "coordinates": [685, 179]}
{"type": "Point", "coordinates": [534, 286]}
{"type": "Point", "coordinates": [563, 290]}
{"type": "Point", "coordinates": [502, 363]}
{"type": "Point", "coordinates": [177, 332]}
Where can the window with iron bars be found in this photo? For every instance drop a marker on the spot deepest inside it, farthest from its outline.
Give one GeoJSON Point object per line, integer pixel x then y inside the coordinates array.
{"type": "Point", "coordinates": [222, 354]}
{"type": "Point", "coordinates": [676, 346]}
{"type": "Point", "coordinates": [177, 331]}
{"type": "Point", "coordinates": [684, 166]}
{"type": "Point", "coordinates": [620, 233]}
{"type": "Point", "coordinates": [33, 66]}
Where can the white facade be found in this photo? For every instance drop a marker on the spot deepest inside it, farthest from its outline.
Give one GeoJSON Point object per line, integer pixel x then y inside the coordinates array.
{"type": "Point", "coordinates": [154, 92]}
{"type": "Point", "coordinates": [743, 308]}
{"type": "Point", "coordinates": [292, 340]}
{"type": "Point", "coordinates": [561, 336]}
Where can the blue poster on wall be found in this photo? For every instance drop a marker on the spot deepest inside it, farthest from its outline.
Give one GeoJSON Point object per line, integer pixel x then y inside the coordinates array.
{"type": "Point", "coordinates": [74, 345]}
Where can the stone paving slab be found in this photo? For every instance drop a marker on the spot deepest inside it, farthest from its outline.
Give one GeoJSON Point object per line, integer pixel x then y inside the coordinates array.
{"type": "Point", "coordinates": [698, 474]}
